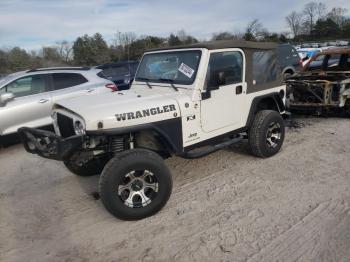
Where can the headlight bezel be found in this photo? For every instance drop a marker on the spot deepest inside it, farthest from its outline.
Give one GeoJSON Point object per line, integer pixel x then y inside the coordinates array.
{"type": "Point", "coordinates": [79, 127]}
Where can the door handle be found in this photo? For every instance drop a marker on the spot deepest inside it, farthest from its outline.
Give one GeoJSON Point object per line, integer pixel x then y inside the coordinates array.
{"type": "Point", "coordinates": [89, 90]}
{"type": "Point", "coordinates": [44, 100]}
{"type": "Point", "coordinates": [239, 90]}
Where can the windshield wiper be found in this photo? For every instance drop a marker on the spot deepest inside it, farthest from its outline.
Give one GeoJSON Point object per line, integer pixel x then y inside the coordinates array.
{"type": "Point", "coordinates": [170, 81]}
{"type": "Point", "coordinates": [146, 80]}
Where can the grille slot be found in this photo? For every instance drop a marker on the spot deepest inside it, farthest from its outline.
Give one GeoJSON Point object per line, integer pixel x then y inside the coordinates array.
{"type": "Point", "coordinates": [65, 125]}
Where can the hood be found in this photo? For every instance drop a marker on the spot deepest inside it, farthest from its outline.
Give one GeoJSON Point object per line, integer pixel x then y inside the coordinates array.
{"type": "Point", "coordinates": [125, 108]}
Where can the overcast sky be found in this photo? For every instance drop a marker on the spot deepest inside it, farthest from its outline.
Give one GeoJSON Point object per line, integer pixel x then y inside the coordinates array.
{"type": "Point", "coordinates": [32, 24]}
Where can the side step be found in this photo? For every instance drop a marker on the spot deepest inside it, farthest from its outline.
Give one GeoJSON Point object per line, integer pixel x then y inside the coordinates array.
{"type": "Point", "coordinates": [211, 149]}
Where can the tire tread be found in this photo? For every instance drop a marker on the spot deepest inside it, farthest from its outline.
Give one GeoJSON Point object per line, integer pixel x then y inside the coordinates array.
{"type": "Point", "coordinates": [256, 131]}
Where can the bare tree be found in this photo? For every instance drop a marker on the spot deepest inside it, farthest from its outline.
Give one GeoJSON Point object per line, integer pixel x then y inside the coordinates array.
{"type": "Point", "coordinates": [294, 21]}
{"type": "Point", "coordinates": [312, 12]}
{"type": "Point", "coordinates": [238, 35]}
{"type": "Point", "coordinates": [255, 30]}
{"type": "Point", "coordinates": [321, 10]}
{"type": "Point", "coordinates": [124, 40]}
{"type": "Point", "coordinates": [181, 34]}
{"type": "Point", "coordinates": [337, 14]}
{"type": "Point", "coordinates": [65, 50]}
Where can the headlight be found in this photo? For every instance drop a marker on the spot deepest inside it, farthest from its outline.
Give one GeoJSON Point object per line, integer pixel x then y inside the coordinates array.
{"type": "Point", "coordinates": [79, 128]}
{"type": "Point", "coordinates": [54, 115]}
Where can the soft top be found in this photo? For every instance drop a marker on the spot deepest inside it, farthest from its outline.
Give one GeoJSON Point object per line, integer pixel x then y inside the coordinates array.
{"type": "Point", "coordinates": [210, 45]}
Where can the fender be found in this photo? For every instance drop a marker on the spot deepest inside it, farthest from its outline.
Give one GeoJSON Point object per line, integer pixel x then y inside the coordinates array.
{"type": "Point", "coordinates": [170, 131]}
{"type": "Point", "coordinates": [277, 98]}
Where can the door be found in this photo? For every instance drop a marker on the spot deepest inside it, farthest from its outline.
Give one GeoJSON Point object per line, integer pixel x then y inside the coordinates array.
{"type": "Point", "coordinates": [31, 106]}
{"type": "Point", "coordinates": [225, 78]}
{"type": "Point", "coordinates": [68, 85]}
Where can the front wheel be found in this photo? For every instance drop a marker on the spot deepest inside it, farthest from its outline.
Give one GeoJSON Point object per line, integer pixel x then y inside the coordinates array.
{"type": "Point", "coordinates": [266, 134]}
{"type": "Point", "coordinates": [135, 184]}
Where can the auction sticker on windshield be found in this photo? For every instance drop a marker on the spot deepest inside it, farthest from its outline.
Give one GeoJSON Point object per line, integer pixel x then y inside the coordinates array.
{"type": "Point", "coordinates": [186, 70]}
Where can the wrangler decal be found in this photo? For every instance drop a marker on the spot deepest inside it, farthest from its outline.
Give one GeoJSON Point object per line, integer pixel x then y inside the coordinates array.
{"type": "Point", "coordinates": [145, 112]}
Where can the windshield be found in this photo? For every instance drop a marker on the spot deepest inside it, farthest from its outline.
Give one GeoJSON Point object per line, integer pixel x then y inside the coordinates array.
{"type": "Point", "coordinates": [179, 67]}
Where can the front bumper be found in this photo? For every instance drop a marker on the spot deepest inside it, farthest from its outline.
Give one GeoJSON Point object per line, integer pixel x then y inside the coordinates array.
{"type": "Point", "coordinates": [47, 144]}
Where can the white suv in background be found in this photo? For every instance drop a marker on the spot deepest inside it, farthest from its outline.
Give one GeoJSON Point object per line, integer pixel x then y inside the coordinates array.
{"type": "Point", "coordinates": [26, 97]}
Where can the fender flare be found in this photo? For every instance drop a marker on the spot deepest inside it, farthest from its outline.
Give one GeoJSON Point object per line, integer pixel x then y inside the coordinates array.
{"type": "Point", "coordinates": [277, 98]}
{"type": "Point", "coordinates": [170, 132]}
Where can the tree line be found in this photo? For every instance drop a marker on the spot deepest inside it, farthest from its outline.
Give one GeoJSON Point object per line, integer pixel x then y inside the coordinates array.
{"type": "Point", "coordinates": [317, 23]}
{"type": "Point", "coordinates": [313, 23]}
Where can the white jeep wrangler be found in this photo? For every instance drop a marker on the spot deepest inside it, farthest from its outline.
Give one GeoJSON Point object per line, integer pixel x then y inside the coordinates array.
{"type": "Point", "coordinates": [187, 101]}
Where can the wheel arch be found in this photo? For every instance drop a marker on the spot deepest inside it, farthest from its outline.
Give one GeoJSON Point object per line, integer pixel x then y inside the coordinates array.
{"type": "Point", "coordinates": [288, 69]}
{"type": "Point", "coordinates": [167, 133]}
{"type": "Point", "coordinates": [156, 140]}
{"type": "Point", "coordinates": [273, 101]}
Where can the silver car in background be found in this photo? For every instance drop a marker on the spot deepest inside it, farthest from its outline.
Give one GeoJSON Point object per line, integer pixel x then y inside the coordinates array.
{"type": "Point", "coordinates": [26, 97]}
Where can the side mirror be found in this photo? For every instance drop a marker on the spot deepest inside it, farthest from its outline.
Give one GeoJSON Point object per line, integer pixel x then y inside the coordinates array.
{"type": "Point", "coordinates": [221, 78]}
{"type": "Point", "coordinates": [217, 80]}
{"type": "Point", "coordinates": [5, 98]}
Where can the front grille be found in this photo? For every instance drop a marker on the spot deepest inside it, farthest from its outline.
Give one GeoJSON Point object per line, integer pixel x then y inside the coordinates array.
{"type": "Point", "coordinates": [65, 125]}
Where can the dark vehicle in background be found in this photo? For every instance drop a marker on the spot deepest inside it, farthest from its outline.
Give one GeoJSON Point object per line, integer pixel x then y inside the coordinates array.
{"type": "Point", "coordinates": [121, 73]}
{"type": "Point", "coordinates": [289, 60]}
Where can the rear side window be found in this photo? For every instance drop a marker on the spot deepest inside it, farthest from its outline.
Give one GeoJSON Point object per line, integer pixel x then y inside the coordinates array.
{"type": "Point", "coordinates": [65, 80]}
{"type": "Point", "coordinates": [265, 68]}
{"type": "Point", "coordinates": [102, 75]}
{"type": "Point", "coordinates": [333, 61]}
{"type": "Point", "coordinates": [317, 63]}
{"type": "Point", "coordinates": [116, 70]}
{"type": "Point", "coordinates": [229, 63]}
{"type": "Point", "coordinates": [28, 85]}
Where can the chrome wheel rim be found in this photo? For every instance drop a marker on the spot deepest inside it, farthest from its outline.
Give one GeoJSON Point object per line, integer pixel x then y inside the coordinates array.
{"type": "Point", "coordinates": [273, 135]}
{"type": "Point", "coordinates": [138, 188]}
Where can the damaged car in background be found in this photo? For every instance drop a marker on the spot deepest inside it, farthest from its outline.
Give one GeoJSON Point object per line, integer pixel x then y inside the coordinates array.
{"type": "Point", "coordinates": [323, 85]}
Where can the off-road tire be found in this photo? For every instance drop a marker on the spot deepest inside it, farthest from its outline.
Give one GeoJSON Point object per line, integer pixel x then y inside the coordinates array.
{"type": "Point", "coordinates": [258, 132]}
{"type": "Point", "coordinates": [91, 168]}
{"type": "Point", "coordinates": [116, 170]}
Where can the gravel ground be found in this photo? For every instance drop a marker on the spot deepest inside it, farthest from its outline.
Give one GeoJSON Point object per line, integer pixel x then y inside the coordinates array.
{"type": "Point", "coordinates": [229, 206]}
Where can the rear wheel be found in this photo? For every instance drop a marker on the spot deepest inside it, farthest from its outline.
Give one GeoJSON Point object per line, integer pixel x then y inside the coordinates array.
{"type": "Point", "coordinates": [266, 135]}
{"type": "Point", "coordinates": [135, 184]}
